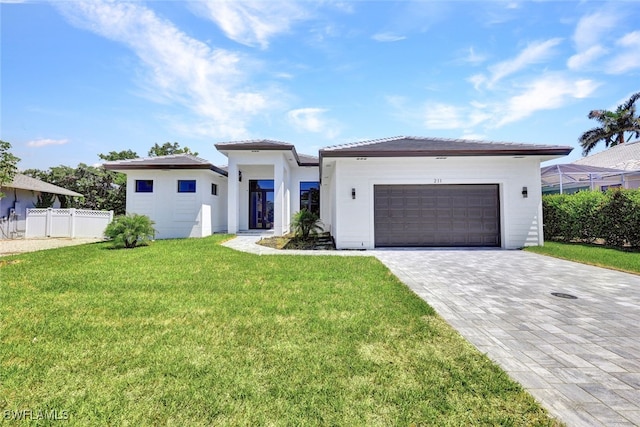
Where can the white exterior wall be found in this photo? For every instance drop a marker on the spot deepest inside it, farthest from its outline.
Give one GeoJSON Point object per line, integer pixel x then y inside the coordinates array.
{"type": "Point", "coordinates": [176, 214]}
{"type": "Point", "coordinates": [352, 220]}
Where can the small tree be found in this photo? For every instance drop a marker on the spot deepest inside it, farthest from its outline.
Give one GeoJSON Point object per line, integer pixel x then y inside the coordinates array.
{"type": "Point", "coordinates": [130, 230]}
{"type": "Point", "coordinates": [8, 165]}
{"type": "Point", "coordinates": [306, 223]}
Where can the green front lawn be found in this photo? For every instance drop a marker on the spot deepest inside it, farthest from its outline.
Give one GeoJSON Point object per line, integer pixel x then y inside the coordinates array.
{"type": "Point", "coordinates": [186, 332]}
{"type": "Point", "coordinates": [600, 256]}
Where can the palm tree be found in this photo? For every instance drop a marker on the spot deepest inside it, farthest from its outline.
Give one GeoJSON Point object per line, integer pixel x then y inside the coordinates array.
{"type": "Point", "coordinates": [613, 126]}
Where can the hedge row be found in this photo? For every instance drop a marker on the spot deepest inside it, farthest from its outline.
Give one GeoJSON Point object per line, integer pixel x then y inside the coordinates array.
{"type": "Point", "coordinates": [586, 216]}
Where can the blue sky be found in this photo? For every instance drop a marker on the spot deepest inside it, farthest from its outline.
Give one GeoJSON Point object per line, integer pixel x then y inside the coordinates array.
{"type": "Point", "coordinates": [82, 78]}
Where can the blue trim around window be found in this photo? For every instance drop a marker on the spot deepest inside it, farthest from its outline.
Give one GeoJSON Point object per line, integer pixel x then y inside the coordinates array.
{"type": "Point", "coordinates": [144, 186]}
{"type": "Point", "coordinates": [186, 186]}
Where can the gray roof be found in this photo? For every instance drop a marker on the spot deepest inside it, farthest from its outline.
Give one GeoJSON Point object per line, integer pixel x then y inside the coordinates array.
{"type": "Point", "coordinates": [254, 144]}
{"type": "Point", "coordinates": [24, 182]}
{"type": "Point", "coordinates": [175, 161]}
{"type": "Point", "coordinates": [410, 146]}
{"type": "Point", "coordinates": [267, 145]}
{"type": "Point", "coordinates": [624, 156]}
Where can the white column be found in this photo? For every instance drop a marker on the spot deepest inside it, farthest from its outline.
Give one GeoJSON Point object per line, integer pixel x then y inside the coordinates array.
{"type": "Point", "coordinates": [278, 195]}
{"type": "Point", "coordinates": [233, 207]}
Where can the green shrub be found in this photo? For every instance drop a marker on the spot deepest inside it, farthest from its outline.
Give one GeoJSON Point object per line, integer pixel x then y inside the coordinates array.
{"type": "Point", "coordinates": [633, 219]}
{"type": "Point", "coordinates": [130, 230]}
{"type": "Point", "coordinates": [306, 223]}
{"type": "Point", "coordinates": [583, 210]}
{"type": "Point", "coordinates": [618, 224]}
{"type": "Point", "coordinates": [585, 216]}
{"type": "Point", "coordinates": [555, 217]}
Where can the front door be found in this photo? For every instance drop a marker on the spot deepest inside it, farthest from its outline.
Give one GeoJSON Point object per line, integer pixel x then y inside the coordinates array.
{"type": "Point", "coordinates": [261, 200]}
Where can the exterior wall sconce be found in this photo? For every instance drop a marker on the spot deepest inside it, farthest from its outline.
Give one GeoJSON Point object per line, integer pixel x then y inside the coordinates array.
{"type": "Point", "coordinates": [240, 176]}
{"type": "Point", "coordinates": [525, 192]}
{"type": "Point", "coordinates": [353, 193]}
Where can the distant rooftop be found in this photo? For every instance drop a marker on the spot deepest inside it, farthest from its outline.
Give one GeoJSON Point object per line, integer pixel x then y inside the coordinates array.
{"type": "Point", "coordinates": [24, 182]}
{"type": "Point", "coordinates": [624, 156]}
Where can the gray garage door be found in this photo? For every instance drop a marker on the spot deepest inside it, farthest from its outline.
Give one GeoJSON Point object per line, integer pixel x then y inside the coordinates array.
{"type": "Point", "coordinates": [437, 215]}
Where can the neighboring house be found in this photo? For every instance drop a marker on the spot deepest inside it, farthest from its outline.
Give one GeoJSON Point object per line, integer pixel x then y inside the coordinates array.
{"type": "Point", "coordinates": [571, 178]}
{"type": "Point", "coordinates": [402, 191]}
{"type": "Point", "coordinates": [21, 194]}
{"type": "Point", "coordinates": [625, 157]}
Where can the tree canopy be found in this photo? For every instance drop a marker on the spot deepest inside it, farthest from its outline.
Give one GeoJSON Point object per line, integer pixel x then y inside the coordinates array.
{"type": "Point", "coordinates": [112, 156]}
{"type": "Point", "coordinates": [102, 189]}
{"type": "Point", "coordinates": [8, 165]}
{"type": "Point", "coordinates": [613, 126]}
{"type": "Point", "coordinates": [168, 149]}
{"type": "Point", "coordinates": [99, 187]}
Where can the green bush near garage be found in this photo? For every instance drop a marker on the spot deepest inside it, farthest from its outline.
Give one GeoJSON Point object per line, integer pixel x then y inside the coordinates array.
{"type": "Point", "coordinates": [612, 218]}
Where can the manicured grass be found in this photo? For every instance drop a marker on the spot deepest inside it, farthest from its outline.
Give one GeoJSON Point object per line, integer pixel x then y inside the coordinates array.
{"type": "Point", "coordinates": [591, 254]}
{"type": "Point", "coordinates": [186, 332]}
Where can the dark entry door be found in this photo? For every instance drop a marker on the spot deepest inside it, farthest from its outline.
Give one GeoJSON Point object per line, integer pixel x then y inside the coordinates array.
{"type": "Point", "coordinates": [261, 204]}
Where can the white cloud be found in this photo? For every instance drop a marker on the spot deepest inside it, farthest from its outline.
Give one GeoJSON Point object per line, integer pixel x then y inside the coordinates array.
{"type": "Point", "coordinates": [591, 29]}
{"type": "Point", "coordinates": [252, 23]}
{"type": "Point", "coordinates": [477, 80]}
{"type": "Point", "coordinates": [446, 116]}
{"type": "Point", "coordinates": [549, 92]}
{"type": "Point", "coordinates": [474, 58]}
{"type": "Point", "coordinates": [387, 37]}
{"type": "Point", "coordinates": [443, 116]}
{"type": "Point", "coordinates": [588, 38]}
{"type": "Point", "coordinates": [46, 141]}
{"type": "Point", "coordinates": [546, 93]}
{"type": "Point", "coordinates": [627, 56]}
{"type": "Point", "coordinates": [535, 52]}
{"type": "Point", "coordinates": [312, 120]}
{"type": "Point", "coordinates": [582, 59]}
{"type": "Point", "coordinates": [179, 69]}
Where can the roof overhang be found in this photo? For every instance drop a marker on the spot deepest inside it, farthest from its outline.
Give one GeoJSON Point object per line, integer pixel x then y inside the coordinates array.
{"type": "Point", "coordinates": [125, 167]}
{"type": "Point", "coordinates": [551, 151]}
{"type": "Point", "coordinates": [263, 145]}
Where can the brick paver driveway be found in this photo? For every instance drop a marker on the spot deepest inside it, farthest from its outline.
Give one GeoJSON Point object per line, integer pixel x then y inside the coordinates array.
{"type": "Point", "coordinates": [579, 357]}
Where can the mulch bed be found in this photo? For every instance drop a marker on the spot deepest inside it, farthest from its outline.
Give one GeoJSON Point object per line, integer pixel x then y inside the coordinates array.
{"type": "Point", "coordinates": [290, 241]}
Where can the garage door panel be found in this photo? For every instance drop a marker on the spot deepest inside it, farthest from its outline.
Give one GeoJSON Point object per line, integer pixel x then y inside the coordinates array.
{"type": "Point", "coordinates": [436, 215]}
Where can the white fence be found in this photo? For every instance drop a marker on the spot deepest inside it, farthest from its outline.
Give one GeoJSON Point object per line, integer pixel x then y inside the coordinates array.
{"type": "Point", "coordinates": [66, 223]}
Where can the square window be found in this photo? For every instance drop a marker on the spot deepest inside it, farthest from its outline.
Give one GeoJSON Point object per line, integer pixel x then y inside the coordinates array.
{"type": "Point", "coordinates": [214, 189]}
{"type": "Point", "coordinates": [186, 186]}
{"type": "Point", "coordinates": [144, 186]}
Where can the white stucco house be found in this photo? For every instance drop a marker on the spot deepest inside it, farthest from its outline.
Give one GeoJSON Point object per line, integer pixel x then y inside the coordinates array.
{"type": "Point", "coordinates": [401, 191]}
